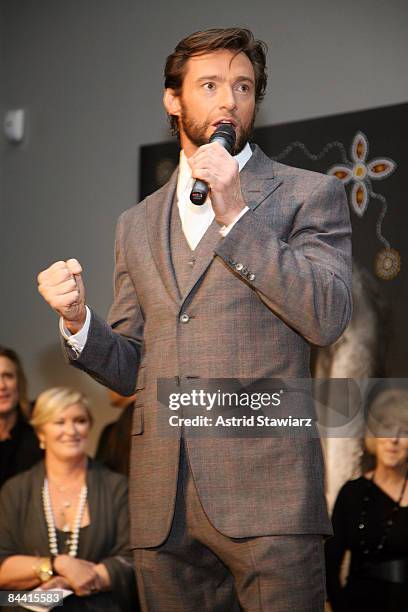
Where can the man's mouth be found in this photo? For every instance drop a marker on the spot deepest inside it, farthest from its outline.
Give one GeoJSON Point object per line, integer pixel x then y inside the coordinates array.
{"type": "Point", "coordinates": [225, 121]}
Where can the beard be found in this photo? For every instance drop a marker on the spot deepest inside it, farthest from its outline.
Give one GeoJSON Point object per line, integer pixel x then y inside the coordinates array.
{"type": "Point", "coordinates": [197, 132]}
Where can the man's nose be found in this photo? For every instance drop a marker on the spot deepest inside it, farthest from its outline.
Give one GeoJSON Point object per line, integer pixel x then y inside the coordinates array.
{"type": "Point", "coordinates": [228, 100]}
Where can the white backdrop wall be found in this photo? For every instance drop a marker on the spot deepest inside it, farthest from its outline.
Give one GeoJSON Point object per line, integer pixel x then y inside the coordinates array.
{"type": "Point", "coordinates": [89, 75]}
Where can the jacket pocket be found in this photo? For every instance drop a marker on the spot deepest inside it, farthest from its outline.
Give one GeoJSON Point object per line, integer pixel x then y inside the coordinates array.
{"type": "Point", "coordinates": [141, 379]}
{"type": "Point", "coordinates": [137, 421]}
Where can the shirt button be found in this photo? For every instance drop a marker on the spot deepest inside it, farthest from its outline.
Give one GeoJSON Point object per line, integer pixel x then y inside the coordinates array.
{"type": "Point", "coordinates": [184, 318]}
{"type": "Point", "coordinates": [251, 276]}
{"type": "Point", "coordinates": [239, 266]}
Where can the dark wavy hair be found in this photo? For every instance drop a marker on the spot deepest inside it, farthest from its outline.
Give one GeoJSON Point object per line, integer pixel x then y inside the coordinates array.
{"type": "Point", "coordinates": [239, 40]}
{"type": "Point", "coordinates": [21, 377]}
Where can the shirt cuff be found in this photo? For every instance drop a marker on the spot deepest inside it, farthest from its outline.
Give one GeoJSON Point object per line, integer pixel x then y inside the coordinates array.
{"type": "Point", "coordinates": [77, 341]}
{"type": "Point", "coordinates": [225, 229]}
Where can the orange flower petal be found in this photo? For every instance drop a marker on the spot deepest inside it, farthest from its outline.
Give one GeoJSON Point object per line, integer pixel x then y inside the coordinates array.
{"type": "Point", "coordinates": [359, 147]}
{"type": "Point", "coordinates": [381, 167]}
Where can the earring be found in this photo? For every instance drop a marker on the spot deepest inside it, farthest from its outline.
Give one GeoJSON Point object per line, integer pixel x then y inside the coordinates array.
{"type": "Point", "coordinates": [42, 445]}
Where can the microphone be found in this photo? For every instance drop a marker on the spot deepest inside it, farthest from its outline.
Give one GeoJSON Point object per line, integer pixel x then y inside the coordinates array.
{"type": "Point", "coordinates": [225, 136]}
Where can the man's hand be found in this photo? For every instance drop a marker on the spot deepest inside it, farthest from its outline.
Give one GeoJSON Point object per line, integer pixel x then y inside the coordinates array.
{"type": "Point", "coordinates": [62, 287]}
{"type": "Point", "coordinates": [214, 165]}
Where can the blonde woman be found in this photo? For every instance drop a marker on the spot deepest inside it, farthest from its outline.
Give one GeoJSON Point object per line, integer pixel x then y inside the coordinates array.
{"type": "Point", "coordinates": [64, 522]}
{"type": "Point", "coordinates": [370, 518]}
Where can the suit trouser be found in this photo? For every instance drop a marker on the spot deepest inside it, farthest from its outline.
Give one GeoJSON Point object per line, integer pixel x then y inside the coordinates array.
{"type": "Point", "coordinates": [199, 569]}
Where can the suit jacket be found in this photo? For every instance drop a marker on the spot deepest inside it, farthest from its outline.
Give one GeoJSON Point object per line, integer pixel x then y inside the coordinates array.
{"type": "Point", "coordinates": [280, 280]}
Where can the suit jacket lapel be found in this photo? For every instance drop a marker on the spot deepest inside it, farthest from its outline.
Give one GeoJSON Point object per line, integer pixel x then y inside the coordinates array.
{"type": "Point", "coordinates": [158, 217]}
{"type": "Point", "coordinates": [257, 179]}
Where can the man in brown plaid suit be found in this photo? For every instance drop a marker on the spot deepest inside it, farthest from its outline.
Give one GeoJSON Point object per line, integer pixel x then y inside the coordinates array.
{"type": "Point", "coordinates": [238, 288]}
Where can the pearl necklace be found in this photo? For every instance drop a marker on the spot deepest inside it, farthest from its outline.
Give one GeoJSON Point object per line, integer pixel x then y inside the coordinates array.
{"type": "Point", "coordinates": [49, 517]}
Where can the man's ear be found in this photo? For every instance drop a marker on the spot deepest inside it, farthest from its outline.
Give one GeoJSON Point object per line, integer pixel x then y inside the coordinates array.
{"type": "Point", "coordinates": [171, 102]}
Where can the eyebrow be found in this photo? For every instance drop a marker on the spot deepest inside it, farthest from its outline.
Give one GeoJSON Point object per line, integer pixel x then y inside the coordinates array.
{"type": "Point", "coordinates": [215, 77]}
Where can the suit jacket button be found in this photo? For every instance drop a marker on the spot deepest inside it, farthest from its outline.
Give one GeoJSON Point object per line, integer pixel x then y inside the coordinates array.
{"type": "Point", "coordinates": [184, 318]}
{"type": "Point", "coordinates": [251, 276]}
{"type": "Point", "coordinates": [239, 267]}
{"type": "Point", "coordinates": [244, 271]}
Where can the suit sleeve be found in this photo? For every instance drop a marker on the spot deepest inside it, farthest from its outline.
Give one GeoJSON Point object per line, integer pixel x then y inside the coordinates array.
{"type": "Point", "coordinates": [110, 357]}
{"type": "Point", "coordinates": [306, 281]}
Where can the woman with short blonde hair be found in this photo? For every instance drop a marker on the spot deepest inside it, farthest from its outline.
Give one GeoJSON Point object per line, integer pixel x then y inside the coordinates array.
{"type": "Point", "coordinates": [82, 505]}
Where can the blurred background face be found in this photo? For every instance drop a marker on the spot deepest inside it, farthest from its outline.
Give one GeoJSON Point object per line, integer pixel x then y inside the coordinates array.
{"type": "Point", "coordinates": [392, 451]}
{"type": "Point", "coordinates": [66, 435]}
{"type": "Point", "coordinates": [8, 385]}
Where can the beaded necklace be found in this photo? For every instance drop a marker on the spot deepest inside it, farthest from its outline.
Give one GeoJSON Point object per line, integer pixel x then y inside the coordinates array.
{"type": "Point", "coordinates": [49, 517]}
{"type": "Point", "coordinates": [389, 522]}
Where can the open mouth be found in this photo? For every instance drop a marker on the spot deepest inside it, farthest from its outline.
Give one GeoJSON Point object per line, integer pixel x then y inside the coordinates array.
{"type": "Point", "coordinates": [225, 122]}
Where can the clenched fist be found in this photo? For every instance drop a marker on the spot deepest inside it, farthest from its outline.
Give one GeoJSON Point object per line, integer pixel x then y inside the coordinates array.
{"type": "Point", "coordinates": [62, 287]}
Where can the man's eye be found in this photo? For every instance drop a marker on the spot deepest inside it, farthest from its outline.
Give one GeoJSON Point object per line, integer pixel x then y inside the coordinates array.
{"type": "Point", "coordinates": [209, 86]}
{"type": "Point", "coordinates": [243, 88]}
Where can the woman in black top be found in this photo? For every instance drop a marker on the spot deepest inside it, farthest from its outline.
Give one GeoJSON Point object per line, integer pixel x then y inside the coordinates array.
{"type": "Point", "coordinates": [19, 448]}
{"type": "Point", "coordinates": [370, 519]}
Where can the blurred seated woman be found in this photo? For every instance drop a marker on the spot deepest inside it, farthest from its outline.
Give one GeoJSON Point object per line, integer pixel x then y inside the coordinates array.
{"type": "Point", "coordinates": [19, 448]}
{"type": "Point", "coordinates": [64, 522]}
{"type": "Point", "coordinates": [370, 518]}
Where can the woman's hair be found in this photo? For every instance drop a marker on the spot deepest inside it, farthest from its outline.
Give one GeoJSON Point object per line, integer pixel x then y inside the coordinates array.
{"type": "Point", "coordinates": [388, 405]}
{"type": "Point", "coordinates": [239, 40]}
{"type": "Point", "coordinates": [49, 403]}
{"type": "Point", "coordinates": [21, 377]}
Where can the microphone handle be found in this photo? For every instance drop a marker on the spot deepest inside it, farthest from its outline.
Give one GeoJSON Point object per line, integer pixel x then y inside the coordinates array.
{"type": "Point", "coordinates": [199, 192]}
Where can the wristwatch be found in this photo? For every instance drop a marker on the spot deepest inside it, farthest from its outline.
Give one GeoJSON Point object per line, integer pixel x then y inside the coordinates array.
{"type": "Point", "coordinates": [44, 569]}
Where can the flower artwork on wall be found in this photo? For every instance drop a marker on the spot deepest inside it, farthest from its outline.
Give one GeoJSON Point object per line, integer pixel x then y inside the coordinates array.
{"type": "Point", "coordinates": [358, 173]}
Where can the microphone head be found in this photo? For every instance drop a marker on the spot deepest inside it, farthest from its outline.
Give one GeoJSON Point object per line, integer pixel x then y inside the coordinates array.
{"type": "Point", "coordinates": [225, 134]}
